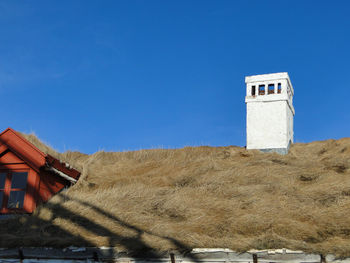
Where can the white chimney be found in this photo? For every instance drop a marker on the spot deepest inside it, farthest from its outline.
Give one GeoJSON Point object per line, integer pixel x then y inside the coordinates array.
{"type": "Point", "coordinates": [270, 112]}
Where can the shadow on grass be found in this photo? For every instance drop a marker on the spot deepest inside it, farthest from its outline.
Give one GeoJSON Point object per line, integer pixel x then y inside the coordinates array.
{"type": "Point", "coordinates": [35, 231]}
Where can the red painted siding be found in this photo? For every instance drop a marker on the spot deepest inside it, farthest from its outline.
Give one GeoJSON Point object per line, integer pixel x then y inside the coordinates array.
{"type": "Point", "coordinates": [49, 185]}
{"type": "Point", "coordinates": [23, 149]}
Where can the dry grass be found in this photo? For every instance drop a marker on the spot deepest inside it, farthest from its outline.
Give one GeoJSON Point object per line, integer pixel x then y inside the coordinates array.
{"type": "Point", "coordinates": [198, 197]}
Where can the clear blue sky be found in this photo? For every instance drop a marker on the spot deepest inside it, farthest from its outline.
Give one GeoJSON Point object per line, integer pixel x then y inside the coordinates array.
{"type": "Point", "coordinates": [125, 75]}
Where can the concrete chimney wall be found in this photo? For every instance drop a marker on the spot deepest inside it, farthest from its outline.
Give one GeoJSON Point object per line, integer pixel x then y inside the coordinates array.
{"type": "Point", "coordinates": [270, 112]}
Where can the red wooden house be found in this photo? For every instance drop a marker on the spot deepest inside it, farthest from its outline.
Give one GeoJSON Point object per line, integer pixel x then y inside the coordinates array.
{"type": "Point", "coordinates": [27, 175]}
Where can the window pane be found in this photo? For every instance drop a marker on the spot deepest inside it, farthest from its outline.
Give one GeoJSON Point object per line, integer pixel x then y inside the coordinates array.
{"type": "Point", "coordinates": [1, 198]}
{"type": "Point", "coordinates": [253, 90]}
{"type": "Point", "coordinates": [19, 180]}
{"type": "Point", "coordinates": [279, 88]}
{"type": "Point", "coordinates": [2, 180]}
{"type": "Point", "coordinates": [261, 89]}
{"type": "Point", "coordinates": [16, 199]}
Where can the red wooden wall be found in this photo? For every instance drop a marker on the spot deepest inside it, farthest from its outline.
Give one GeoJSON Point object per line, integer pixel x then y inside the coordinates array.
{"type": "Point", "coordinates": [22, 172]}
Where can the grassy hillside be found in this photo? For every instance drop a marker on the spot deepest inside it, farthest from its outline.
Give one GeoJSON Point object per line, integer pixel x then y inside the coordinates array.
{"type": "Point", "coordinates": [159, 200]}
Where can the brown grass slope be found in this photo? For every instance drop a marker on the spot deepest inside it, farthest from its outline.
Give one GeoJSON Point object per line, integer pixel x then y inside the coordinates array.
{"type": "Point", "coordinates": [160, 200]}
